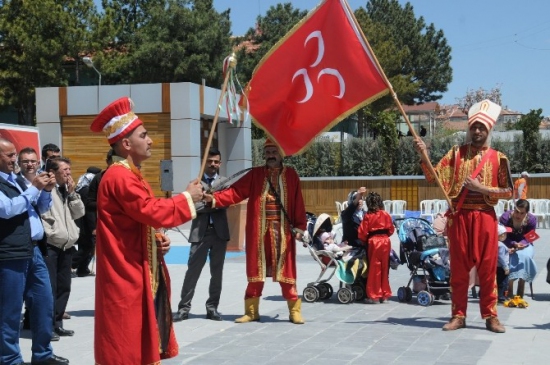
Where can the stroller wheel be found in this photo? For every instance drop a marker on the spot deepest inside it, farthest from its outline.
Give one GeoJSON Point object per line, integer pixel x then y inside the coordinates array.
{"type": "Point", "coordinates": [358, 291]}
{"type": "Point", "coordinates": [402, 294]}
{"type": "Point", "coordinates": [424, 298]}
{"type": "Point", "coordinates": [409, 296]}
{"type": "Point", "coordinates": [310, 294]}
{"type": "Point", "coordinates": [323, 292]}
{"type": "Point", "coordinates": [345, 295]}
{"type": "Point", "coordinates": [329, 290]}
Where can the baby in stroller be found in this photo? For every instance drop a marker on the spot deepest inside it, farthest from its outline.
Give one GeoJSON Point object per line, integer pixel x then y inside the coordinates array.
{"type": "Point", "coordinates": [427, 257]}
{"type": "Point", "coordinates": [334, 258]}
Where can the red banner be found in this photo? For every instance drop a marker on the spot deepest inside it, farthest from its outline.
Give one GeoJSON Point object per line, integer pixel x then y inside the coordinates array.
{"type": "Point", "coordinates": [318, 74]}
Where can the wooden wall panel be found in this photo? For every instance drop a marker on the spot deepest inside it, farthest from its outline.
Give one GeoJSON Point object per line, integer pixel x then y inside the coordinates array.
{"type": "Point", "coordinates": [86, 149]}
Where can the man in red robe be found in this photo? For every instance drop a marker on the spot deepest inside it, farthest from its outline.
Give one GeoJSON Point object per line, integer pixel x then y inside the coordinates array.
{"type": "Point", "coordinates": [475, 177]}
{"type": "Point", "coordinates": [133, 321]}
{"type": "Point", "coordinates": [275, 217]}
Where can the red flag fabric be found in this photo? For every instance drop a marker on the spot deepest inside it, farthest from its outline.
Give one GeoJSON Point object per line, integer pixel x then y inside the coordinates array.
{"type": "Point", "coordinates": [318, 74]}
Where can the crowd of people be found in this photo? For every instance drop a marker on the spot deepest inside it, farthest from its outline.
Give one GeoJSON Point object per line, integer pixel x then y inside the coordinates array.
{"type": "Point", "coordinates": [113, 216]}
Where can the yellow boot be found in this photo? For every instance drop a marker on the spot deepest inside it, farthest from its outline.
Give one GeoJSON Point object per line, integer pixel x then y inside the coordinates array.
{"type": "Point", "coordinates": [251, 313]}
{"type": "Point", "coordinates": [294, 307]}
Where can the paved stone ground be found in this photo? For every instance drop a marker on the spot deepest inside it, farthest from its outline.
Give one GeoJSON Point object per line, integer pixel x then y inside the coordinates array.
{"type": "Point", "coordinates": [394, 333]}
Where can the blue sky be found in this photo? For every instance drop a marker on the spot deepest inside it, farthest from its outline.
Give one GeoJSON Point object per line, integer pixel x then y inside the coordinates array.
{"type": "Point", "coordinates": [494, 42]}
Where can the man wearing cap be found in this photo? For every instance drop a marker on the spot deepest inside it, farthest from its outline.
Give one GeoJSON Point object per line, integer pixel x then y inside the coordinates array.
{"type": "Point", "coordinates": [520, 186]}
{"type": "Point", "coordinates": [275, 217]}
{"type": "Point", "coordinates": [475, 177]}
{"type": "Point", "coordinates": [133, 321]}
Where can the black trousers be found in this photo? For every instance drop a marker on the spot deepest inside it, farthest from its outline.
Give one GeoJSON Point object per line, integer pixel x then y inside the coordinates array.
{"type": "Point", "coordinates": [59, 262]}
{"type": "Point", "coordinates": [84, 255]}
{"type": "Point", "coordinates": [214, 248]}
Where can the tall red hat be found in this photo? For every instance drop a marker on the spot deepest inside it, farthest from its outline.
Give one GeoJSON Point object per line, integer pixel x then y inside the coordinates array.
{"type": "Point", "coordinates": [269, 143]}
{"type": "Point", "coordinates": [116, 120]}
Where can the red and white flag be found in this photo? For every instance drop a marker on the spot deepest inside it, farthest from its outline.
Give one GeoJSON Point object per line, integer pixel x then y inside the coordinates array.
{"type": "Point", "coordinates": [318, 74]}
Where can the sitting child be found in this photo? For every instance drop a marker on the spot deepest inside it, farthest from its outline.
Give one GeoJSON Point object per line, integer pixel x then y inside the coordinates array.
{"type": "Point", "coordinates": [330, 245]}
{"type": "Point", "coordinates": [503, 268]}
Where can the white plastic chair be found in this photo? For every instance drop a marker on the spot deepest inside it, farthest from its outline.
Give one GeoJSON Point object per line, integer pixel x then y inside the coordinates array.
{"type": "Point", "coordinates": [428, 209]}
{"type": "Point", "coordinates": [398, 209]}
{"type": "Point", "coordinates": [338, 208]}
{"type": "Point", "coordinates": [441, 206]}
{"type": "Point", "coordinates": [539, 210]}
{"type": "Point", "coordinates": [511, 204]}
{"type": "Point", "coordinates": [344, 205]}
{"type": "Point", "coordinates": [499, 208]}
{"type": "Point", "coordinates": [387, 206]}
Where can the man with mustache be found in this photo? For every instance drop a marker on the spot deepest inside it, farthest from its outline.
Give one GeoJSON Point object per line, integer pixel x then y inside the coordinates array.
{"type": "Point", "coordinates": [475, 177]}
{"type": "Point", "coordinates": [276, 216]}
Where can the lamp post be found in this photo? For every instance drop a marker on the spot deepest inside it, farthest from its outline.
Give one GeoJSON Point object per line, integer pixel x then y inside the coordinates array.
{"type": "Point", "coordinates": [88, 62]}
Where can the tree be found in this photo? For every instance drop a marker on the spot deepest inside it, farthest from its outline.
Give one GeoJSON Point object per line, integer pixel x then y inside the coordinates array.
{"type": "Point", "coordinates": [172, 41]}
{"type": "Point", "coordinates": [414, 55]}
{"type": "Point", "coordinates": [269, 29]}
{"type": "Point", "coordinates": [31, 52]}
{"type": "Point", "coordinates": [475, 96]}
{"type": "Point", "coordinates": [529, 124]}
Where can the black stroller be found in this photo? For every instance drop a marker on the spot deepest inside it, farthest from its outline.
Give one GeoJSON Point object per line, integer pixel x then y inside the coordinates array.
{"type": "Point", "coordinates": [427, 257]}
{"type": "Point", "coordinates": [348, 267]}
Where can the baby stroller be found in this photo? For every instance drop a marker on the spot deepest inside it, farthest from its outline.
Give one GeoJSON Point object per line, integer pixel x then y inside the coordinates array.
{"type": "Point", "coordinates": [427, 257]}
{"type": "Point", "coordinates": [346, 267]}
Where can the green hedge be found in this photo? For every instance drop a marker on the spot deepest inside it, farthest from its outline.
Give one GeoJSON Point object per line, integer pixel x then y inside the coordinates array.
{"type": "Point", "coordinates": [365, 157]}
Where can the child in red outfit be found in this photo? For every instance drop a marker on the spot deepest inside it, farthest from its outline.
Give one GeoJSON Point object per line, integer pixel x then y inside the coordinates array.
{"type": "Point", "coordinates": [375, 232]}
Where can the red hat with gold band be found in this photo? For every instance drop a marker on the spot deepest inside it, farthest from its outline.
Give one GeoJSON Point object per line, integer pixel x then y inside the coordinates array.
{"type": "Point", "coordinates": [116, 120]}
{"type": "Point", "coordinates": [269, 143]}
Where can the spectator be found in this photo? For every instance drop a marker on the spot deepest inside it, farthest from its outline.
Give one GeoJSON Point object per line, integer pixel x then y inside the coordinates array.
{"type": "Point", "coordinates": [208, 237]}
{"type": "Point", "coordinates": [86, 244]}
{"type": "Point", "coordinates": [521, 187]}
{"type": "Point", "coordinates": [28, 161]}
{"type": "Point", "coordinates": [503, 265]}
{"type": "Point", "coordinates": [49, 150]}
{"type": "Point", "coordinates": [61, 233]}
{"type": "Point", "coordinates": [352, 217]}
{"type": "Point", "coordinates": [522, 265]}
{"type": "Point", "coordinates": [423, 131]}
{"type": "Point", "coordinates": [23, 273]}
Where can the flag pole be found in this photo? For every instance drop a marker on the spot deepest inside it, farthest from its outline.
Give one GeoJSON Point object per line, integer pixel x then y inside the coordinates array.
{"type": "Point", "coordinates": [424, 154]}
{"type": "Point", "coordinates": [232, 62]}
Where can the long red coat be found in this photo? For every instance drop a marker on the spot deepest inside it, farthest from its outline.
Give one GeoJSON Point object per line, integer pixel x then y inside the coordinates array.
{"type": "Point", "coordinates": [254, 187]}
{"type": "Point", "coordinates": [129, 271]}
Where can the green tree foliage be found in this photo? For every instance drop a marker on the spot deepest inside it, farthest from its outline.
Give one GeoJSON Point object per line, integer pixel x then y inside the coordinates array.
{"type": "Point", "coordinates": [164, 41]}
{"type": "Point", "coordinates": [529, 124]}
{"type": "Point", "coordinates": [415, 56]}
{"type": "Point", "coordinates": [269, 29]}
{"type": "Point", "coordinates": [35, 39]}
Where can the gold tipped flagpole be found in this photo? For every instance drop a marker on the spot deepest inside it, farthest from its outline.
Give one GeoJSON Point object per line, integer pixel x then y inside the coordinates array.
{"type": "Point", "coordinates": [232, 63]}
{"type": "Point", "coordinates": [424, 154]}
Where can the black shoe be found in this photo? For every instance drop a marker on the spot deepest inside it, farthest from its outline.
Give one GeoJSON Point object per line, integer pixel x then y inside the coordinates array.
{"type": "Point", "coordinates": [63, 332]}
{"type": "Point", "coordinates": [180, 315]}
{"type": "Point", "coordinates": [55, 337]}
{"type": "Point", "coordinates": [54, 360]}
{"type": "Point", "coordinates": [213, 315]}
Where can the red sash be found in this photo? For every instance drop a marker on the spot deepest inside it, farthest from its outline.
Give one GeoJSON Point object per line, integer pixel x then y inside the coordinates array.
{"type": "Point", "coordinates": [476, 172]}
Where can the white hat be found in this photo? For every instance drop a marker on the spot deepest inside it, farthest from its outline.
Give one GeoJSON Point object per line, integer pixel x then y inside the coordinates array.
{"type": "Point", "coordinates": [503, 229]}
{"type": "Point", "coordinates": [325, 236]}
{"type": "Point", "coordinates": [524, 173]}
{"type": "Point", "coordinates": [485, 112]}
